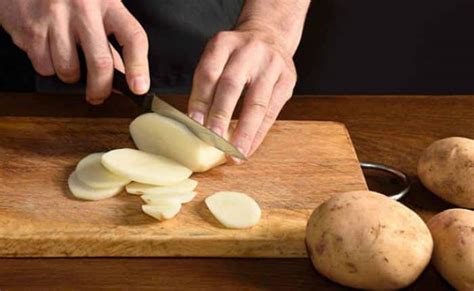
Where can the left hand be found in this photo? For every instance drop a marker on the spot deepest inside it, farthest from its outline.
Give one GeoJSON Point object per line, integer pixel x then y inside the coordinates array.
{"type": "Point", "coordinates": [252, 61]}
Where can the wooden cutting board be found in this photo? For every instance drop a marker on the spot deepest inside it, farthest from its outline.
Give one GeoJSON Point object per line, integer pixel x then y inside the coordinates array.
{"type": "Point", "coordinates": [300, 165]}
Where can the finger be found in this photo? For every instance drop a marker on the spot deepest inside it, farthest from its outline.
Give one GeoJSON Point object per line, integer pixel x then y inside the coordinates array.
{"type": "Point", "coordinates": [207, 73]}
{"type": "Point", "coordinates": [63, 52]}
{"type": "Point", "coordinates": [228, 90]}
{"type": "Point", "coordinates": [39, 53]}
{"type": "Point", "coordinates": [98, 57]}
{"type": "Point", "coordinates": [282, 92]}
{"type": "Point", "coordinates": [132, 37]}
{"type": "Point", "coordinates": [254, 109]}
{"type": "Point", "coordinates": [118, 62]}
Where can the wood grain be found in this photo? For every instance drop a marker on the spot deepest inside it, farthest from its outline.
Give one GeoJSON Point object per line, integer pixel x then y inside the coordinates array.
{"type": "Point", "coordinates": [394, 123]}
{"type": "Point", "coordinates": [176, 274]}
{"type": "Point", "coordinates": [300, 165]}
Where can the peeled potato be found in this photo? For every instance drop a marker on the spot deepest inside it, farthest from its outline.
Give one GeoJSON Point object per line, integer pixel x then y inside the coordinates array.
{"type": "Point", "coordinates": [160, 135]}
{"type": "Point", "coordinates": [90, 171]}
{"type": "Point", "coordinates": [181, 197]}
{"type": "Point", "coordinates": [144, 167]}
{"type": "Point", "coordinates": [83, 191]}
{"type": "Point", "coordinates": [234, 209]}
{"type": "Point", "coordinates": [185, 186]}
{"type": "Point", "coordinates": [162, 211]}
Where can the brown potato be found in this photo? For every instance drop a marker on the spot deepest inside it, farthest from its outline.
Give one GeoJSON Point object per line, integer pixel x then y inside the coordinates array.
{"type": "Point", "coordinates": [446, 168]}
{"type": "Point", "coordinates": [453, 255]}
{"type": "Point", "coordinates": [366, 240]}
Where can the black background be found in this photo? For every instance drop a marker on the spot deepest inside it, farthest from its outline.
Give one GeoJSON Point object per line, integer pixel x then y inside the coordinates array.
{"type": "Point", "coordinates": [348, 47]}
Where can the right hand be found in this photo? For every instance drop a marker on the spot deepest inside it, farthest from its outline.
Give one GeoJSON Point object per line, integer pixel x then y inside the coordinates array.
{"type": "Point", "coordinates": [49, 30]}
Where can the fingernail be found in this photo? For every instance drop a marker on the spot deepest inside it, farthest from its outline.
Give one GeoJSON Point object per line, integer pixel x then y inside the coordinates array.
{"type": "Point", "coordinates": [238, 161]}
{"type": "Point", "coordinates": [95, 101]}
{"type": "Point", "coordinates": [198, 117]}
{"type": "Point", "coordinates": [140, 85]}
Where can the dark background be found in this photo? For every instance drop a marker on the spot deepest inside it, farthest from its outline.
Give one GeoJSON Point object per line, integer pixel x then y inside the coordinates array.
{"type": "Point", "coordinates": [351, 47]}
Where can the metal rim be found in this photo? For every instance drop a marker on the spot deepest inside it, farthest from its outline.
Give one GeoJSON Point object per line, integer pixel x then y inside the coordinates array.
{"type": "Point", "coordinates": [402, 177]}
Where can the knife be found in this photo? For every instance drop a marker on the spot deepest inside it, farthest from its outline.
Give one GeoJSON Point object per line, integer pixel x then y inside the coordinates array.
{"type": "Point", "coordinates": [163, 108]}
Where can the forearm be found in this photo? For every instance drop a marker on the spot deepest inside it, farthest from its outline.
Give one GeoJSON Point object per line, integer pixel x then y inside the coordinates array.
{"type": "Point", "coordinates": [282, 19]}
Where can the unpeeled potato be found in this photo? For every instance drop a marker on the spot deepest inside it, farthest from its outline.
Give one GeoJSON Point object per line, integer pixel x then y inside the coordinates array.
{"type": "Point", "coordinates": [446, 168]}
{"type": "Point", "coordinates": [366, 240]}
{"type": "Point", "coordinates": [453, 255]}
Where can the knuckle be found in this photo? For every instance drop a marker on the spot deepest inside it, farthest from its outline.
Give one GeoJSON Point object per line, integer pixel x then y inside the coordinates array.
{"type": "Point", "coordinates": [219, 116]}
{"type": "Point", "coordinates": [136, 69]}
{"type": "Point", "coordinates": [219, 41]}
{"type": "Point", "coordinates": [257, 44]}
{"type": "Point", "coordinates": [33, 34]}
{"type": "Point", "coordinates": [67, 71]}
{"type": "Point", "coordinates": [258, 104]}
{"type": "Point", "coordinates": [272, 113]}
{"type": "Point", "coordinates": [102, 63]}
{"type": "Point", "coordinates": [81, 5]}
{"type": "Point", "coordinates": [137, 35]}
{"type": "Point", "coordinates": [200, 104]}
{"type": "Point", "coordinates": [53, 6]}
{"type": "Point", "coordinates": [221, 37]}
{"type": "Point", "coordinates": [206, 74]}
{"type": "Point", "coordinates": [275, 59]}
{"type": "Point", "coordinates": [229, 83]}
{"type": "Point", "coordinates": [245, 137]}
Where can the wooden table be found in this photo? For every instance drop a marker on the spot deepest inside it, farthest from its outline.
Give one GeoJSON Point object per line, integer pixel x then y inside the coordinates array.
{"type": "Point", "coordinates": [385, 129]}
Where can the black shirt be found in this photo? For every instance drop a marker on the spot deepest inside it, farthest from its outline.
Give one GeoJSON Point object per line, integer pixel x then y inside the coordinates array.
{"type": "Point", "coordinates": [178, 31]}
{"type": "Point", "coordinates": [348, 47]}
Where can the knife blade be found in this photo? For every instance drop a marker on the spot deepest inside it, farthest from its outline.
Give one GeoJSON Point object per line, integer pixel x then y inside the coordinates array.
{"type": "Point", "coordinates": [208, 136]}
{"type": "Point", "coordinates": [163, 108]}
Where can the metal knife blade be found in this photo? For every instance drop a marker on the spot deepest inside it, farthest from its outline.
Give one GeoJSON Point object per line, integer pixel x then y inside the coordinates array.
{"type": "Point", "coordinates": [161, 107]}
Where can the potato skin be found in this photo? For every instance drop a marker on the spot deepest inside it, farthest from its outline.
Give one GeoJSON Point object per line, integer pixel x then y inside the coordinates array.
{"type": "Point", "coordinates": [453, 254]}
{"type": "Point", "coordinates": [366, 240]}
{"type": "Point", "coordinates": [446, 168]}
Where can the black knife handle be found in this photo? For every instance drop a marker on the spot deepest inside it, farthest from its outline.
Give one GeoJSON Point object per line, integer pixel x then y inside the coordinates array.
{"type": "Point", "coordinates": [119, 82]}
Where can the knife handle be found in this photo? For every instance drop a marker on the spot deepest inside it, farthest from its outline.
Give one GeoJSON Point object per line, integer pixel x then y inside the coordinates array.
{"type": "Point", "coordinates": [119, 83]}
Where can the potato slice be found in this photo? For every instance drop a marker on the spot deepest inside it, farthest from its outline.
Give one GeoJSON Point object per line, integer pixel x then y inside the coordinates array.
{"type": "Point", "coordinates": [135, 188]}
{"type": "Point", "coordinates": [234, 209]}
{"type": "Point", "coordinates": [164, 210]}
{"type": "Point", "coordinates": [160, 135]}
{"type": "Point", "coordinates": [144, 167]}
{"type": "Point", "coordinates": [90, 171]}
{"type": "Point", "coordinates": [180, 197]}
{"type": "Point", "coordinates": [83, 191]}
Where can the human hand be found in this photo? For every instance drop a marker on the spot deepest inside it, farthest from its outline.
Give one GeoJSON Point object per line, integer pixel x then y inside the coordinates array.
{"type": "Point", "coordinates": [250, 60]}
{"type": "Point", "coordinates": [48, 31]}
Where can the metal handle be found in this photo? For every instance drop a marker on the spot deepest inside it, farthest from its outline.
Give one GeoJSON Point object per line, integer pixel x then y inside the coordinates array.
{"type": "Point", "coordinates": [402, 177]}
